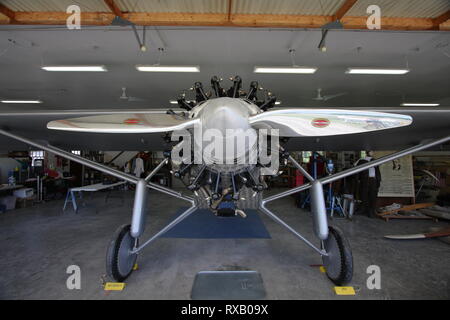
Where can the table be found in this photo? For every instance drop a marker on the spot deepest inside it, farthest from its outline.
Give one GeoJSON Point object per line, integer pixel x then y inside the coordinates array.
{"type": "Point", "coordinates": [10, 188]}
{"type": "Point", "coordinates": [70, 197]}
{"type": "Point", "coordinates": [7, 188]}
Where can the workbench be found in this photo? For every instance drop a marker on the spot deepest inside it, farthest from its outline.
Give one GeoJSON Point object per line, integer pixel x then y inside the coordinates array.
{"type": "Point", "coordinates": [71, 193]}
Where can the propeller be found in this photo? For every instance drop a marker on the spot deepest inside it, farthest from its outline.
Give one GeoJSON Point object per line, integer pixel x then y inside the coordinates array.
{"type": "Point", "coordinates": [290, 122]}
{"type": "Point", "coordinates": [320, 97]}
{"type": "Point", "coordinates": [128, 98]}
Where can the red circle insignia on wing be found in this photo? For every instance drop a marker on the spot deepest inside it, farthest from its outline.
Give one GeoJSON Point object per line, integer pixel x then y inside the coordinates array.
{"type": "Point", "coordinates": [132, 121]}
{"type": "Point", "coordinates": [320, 123]}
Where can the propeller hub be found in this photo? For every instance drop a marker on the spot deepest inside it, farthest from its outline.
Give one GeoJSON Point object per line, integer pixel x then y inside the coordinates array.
{"type": "Point", "coordinates": [225, 128]}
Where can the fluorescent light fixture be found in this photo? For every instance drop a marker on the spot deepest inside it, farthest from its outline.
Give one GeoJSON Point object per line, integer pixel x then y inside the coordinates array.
{"type": "Point", "coordinates": [305, 70]}
{"type": "Point", "coordinates": [376, 71]}
{"type": "Point", "coordinates": [155, 68]}
{"type": "Point", "coordinates": [75, 68]}
{"type": "Point", "coordinates": [277, 102]}
{"type": "Point", "coordinates": [410, 104]}
{"type": "Point", "coordinates": [21, 101]}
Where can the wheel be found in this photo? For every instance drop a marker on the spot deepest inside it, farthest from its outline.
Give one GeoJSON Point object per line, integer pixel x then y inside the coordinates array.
{"type": "Point", "coordinates": [119, 259]}
{"type": "Point", "coordinates": [339, 262]}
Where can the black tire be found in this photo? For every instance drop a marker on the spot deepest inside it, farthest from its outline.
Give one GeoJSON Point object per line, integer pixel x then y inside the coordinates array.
{"type": "Point", "coordinates": [119, 262]}
{"type": "Point", "coordinates": [339, 262]}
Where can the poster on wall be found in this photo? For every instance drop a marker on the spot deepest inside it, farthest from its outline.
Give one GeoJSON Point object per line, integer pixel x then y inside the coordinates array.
{"type": "Point", "coordinates": [397, 178]}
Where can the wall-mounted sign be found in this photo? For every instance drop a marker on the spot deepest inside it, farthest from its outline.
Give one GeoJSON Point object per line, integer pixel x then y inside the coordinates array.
{"type": "Point", "coordinates": [397, 178]}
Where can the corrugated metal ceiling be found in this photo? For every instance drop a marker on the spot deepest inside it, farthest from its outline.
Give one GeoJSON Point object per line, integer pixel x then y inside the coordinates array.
{"type": "Point", "coordinates": [403, 8]}
{"type": "Point", "coordinates": [305, 7]}
{"type": "Point", "coordinates": [197, 6]}
{"type": "Point", "coordinates": [55, 5]}
{"type": "Point", "coordinates": [389, 8]}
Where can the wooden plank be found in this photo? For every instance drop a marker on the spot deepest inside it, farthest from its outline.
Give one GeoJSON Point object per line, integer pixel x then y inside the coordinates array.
{"type": "Point", "coordinates": [387, 23]}
{"type": "Point", "coordinates": [440, 20]}
{"type": "Point", "coordinates": [445, 26]}
{"type": "Point", "coordinates": [230, 6]}
{"type": "Point", "coordinates": [178, 19]}
{"type": "Point", "coordinates": [114, 8]}
{"type": "Point", "coordinates": [279, 21]}
{"type": "Point", "coordinates": [8, 12]}
{"type": "Point", "coordinates": [220, 20]}
{"type": "Point", "coordinates": [59, 18]}
{"type": "Point", "coordinates": [408, 208]}
{"type": "Point", "coordinates": [4, 19]}
{"type": "Point", "coordinates": [346, 6]}
{"type": "Point", "coordinates": [432, 234]}
{"type": "Point", "coordinates": [440, 233]}
{"type": "Point", "coordinates": [436, 214]}
{"type": "Point", "coordinates": [398, 216]}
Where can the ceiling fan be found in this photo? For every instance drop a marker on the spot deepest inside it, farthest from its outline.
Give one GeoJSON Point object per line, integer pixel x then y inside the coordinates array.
{"type": "Point", "coordinates": [128, 98]}
{"type": "Point", "coordinates": [320, 97]}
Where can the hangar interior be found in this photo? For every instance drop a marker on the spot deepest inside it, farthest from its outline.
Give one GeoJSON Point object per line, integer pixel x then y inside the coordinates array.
{"type": "Point", "coordinates": [56, 212]}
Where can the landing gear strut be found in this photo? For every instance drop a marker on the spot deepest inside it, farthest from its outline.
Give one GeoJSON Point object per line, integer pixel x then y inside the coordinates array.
{"type": "Point", "coordinates": [124, 247]}
{"type": "Point", "coordinates": [335, 250]}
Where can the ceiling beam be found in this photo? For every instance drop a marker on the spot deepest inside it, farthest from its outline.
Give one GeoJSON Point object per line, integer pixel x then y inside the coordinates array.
{"type": "Point", "coordinates": [221, 20]}
{"type": "Point", "coordinates": [114, 8]}
{"type": "Point", "coordinates": [346, 6]}
{"type": "Point", "coordinates": [390, 23]}
{"type": "Point", "coordinates": [441, 19]}
{"type": "Point", "coordinates": [8, 12]}
{"type": "Point", "coordinates": [230, 6]}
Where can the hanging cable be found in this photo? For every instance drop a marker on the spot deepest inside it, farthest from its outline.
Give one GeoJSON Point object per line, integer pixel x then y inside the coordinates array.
{"type": "Point", "coordinates": [292, 54]}
{"type": "Point", "coordinates": [158, 61]}
{"type": "Point", "coordinates": [143, 46]}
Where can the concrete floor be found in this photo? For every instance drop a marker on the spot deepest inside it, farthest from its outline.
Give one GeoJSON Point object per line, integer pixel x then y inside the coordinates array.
{"type": "Point", "coordinates": [38, 243]}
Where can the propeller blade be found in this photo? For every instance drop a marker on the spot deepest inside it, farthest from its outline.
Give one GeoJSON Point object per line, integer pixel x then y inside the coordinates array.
{"type": "Point", "coordinates": [326, 122]}
{"type": "Point", "coordinates": [124, 123]}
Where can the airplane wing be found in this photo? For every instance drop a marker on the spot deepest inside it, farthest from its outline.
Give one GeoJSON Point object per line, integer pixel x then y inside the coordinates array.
{"type": "Point", "coordinates": [427, 124]}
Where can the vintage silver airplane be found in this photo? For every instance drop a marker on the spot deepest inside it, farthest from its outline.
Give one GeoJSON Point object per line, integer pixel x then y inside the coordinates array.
{"type": "Point", "coordinates": [228, 187]}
